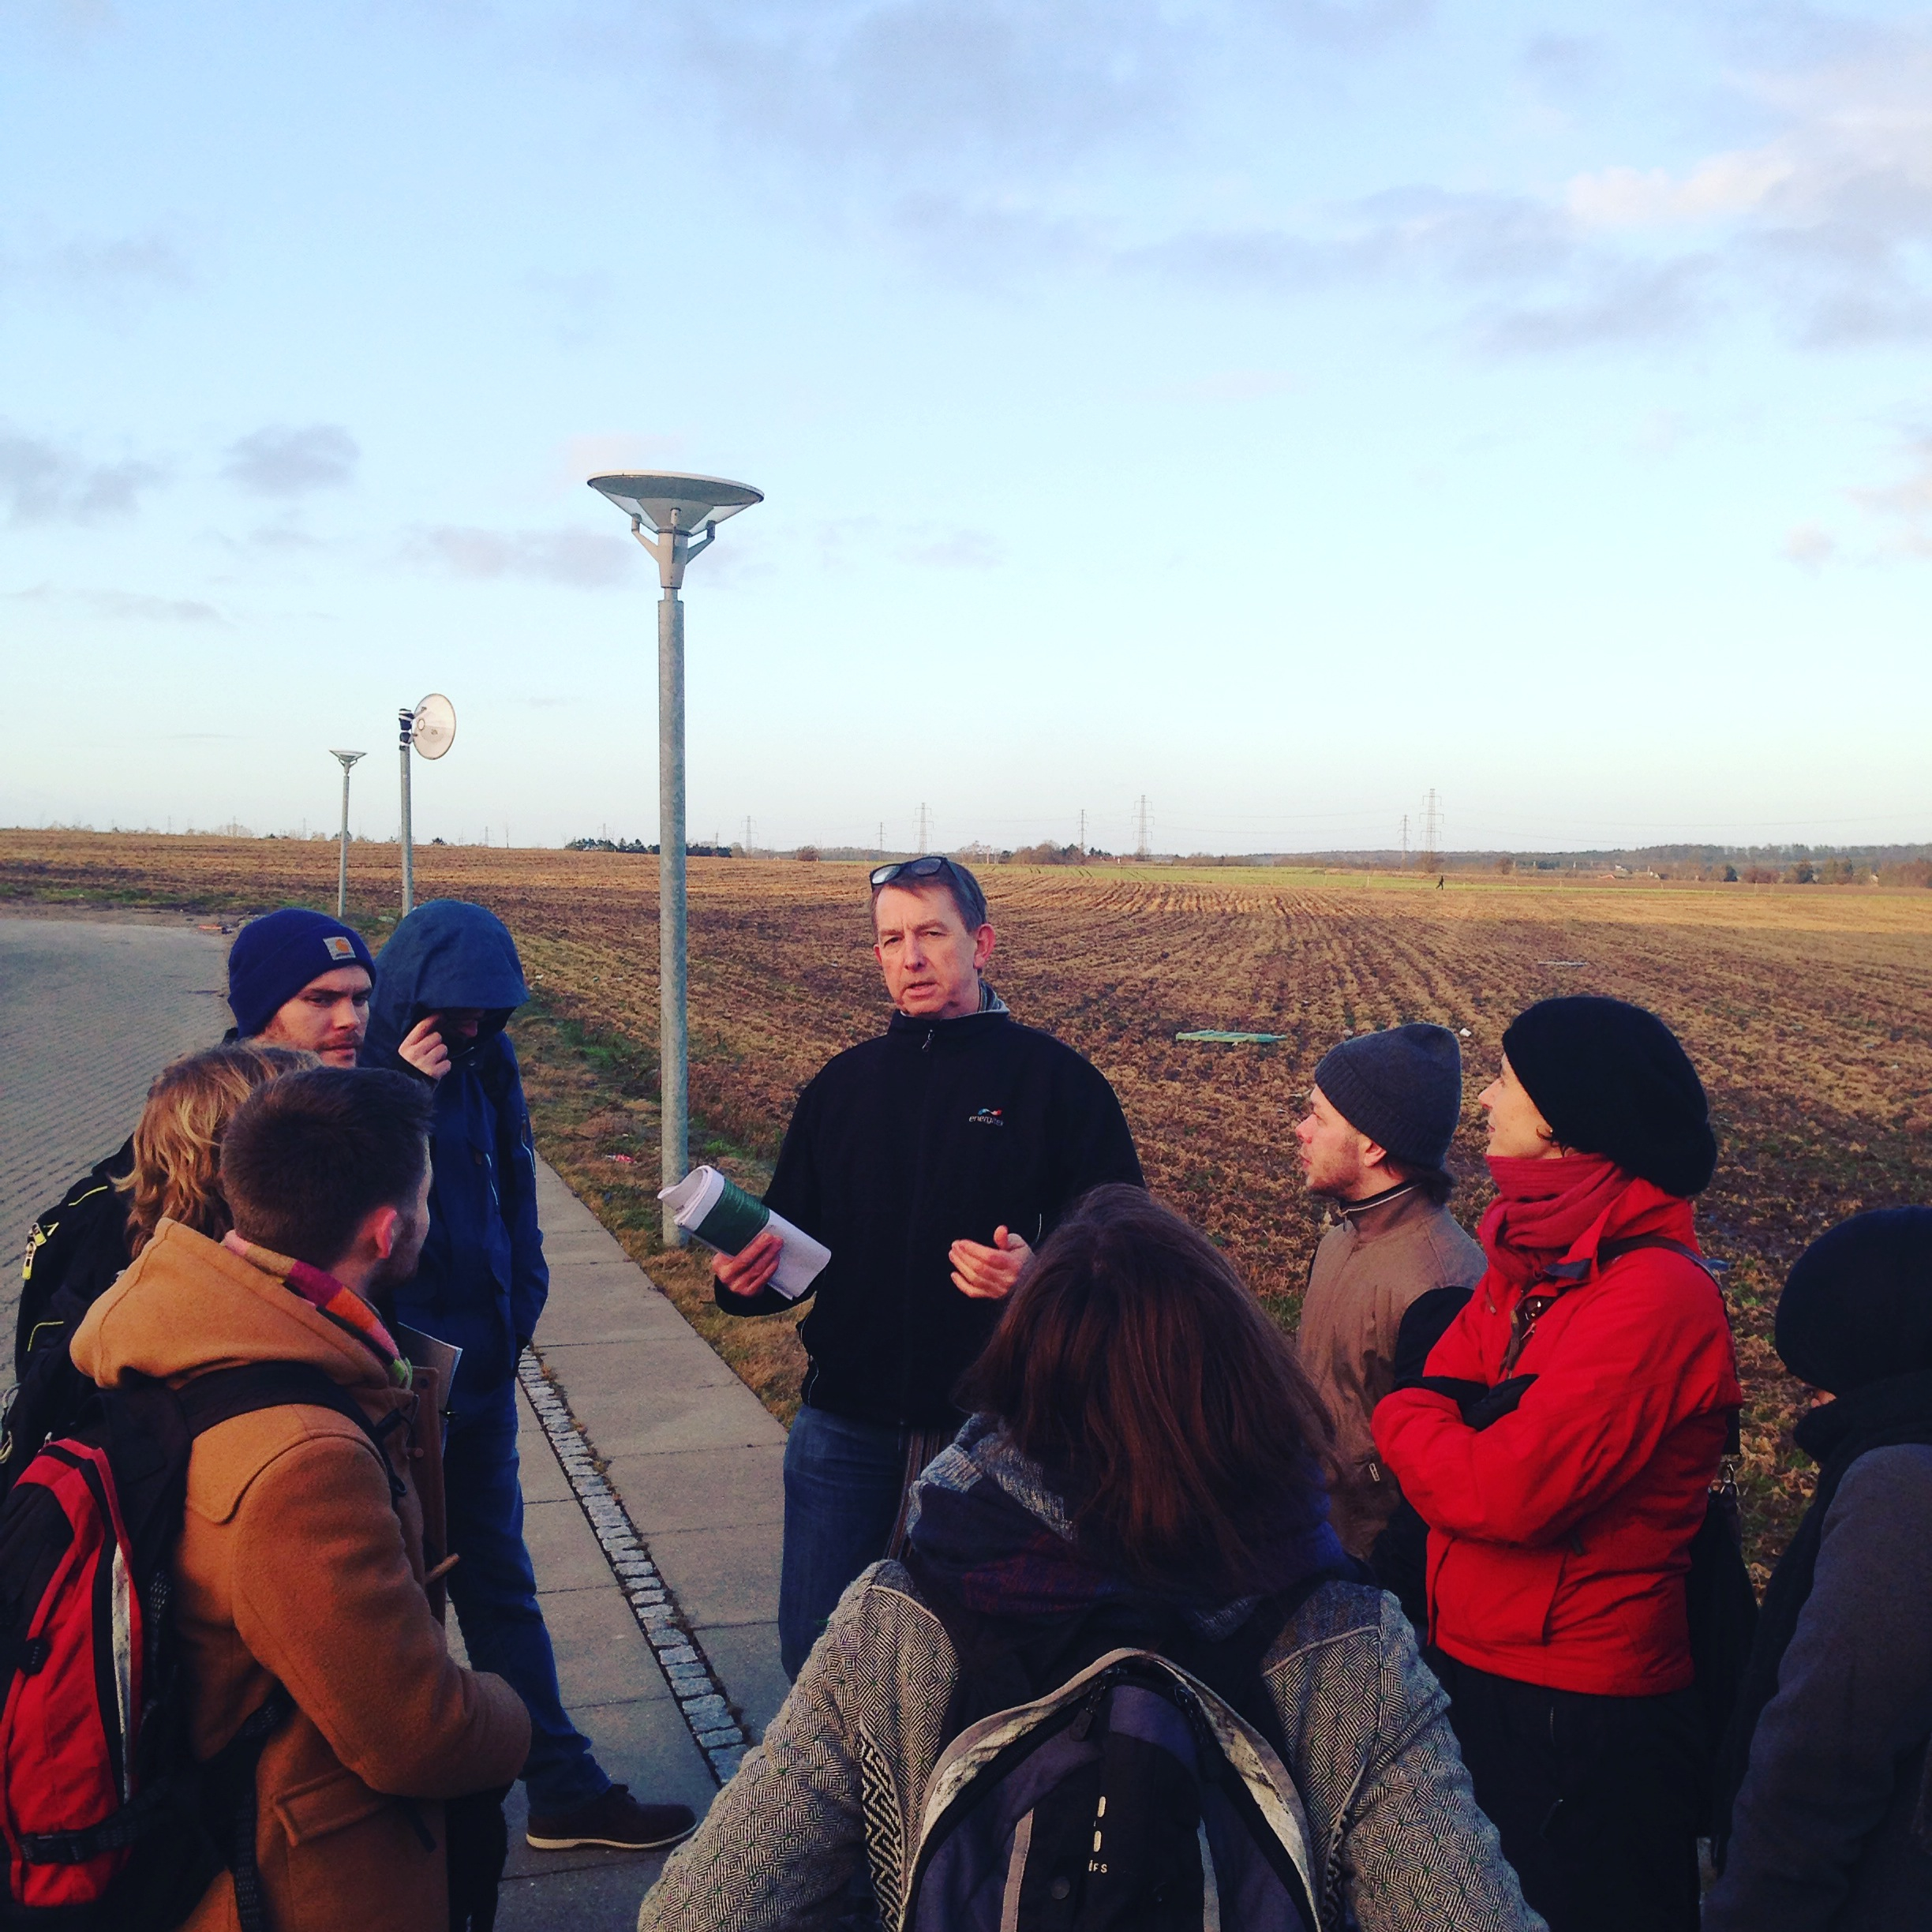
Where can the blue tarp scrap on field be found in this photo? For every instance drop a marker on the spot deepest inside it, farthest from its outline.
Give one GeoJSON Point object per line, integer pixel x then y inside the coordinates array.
{"type": "Point", "coordinates": [1233, 1039]}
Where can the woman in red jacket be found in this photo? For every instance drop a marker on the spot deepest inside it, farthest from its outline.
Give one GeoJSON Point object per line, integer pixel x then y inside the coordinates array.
{"type": "Point", "coordinates": [1560, 1448]}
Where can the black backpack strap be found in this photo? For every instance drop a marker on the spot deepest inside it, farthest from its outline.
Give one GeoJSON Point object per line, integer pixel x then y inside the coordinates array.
{"type": "Point", "coordinates": [1613, 1250]}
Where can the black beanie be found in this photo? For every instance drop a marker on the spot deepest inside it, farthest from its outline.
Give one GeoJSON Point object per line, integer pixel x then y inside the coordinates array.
{"type": "Point", "coordinates": [1858, 1305]}
{"type": "Point", "coordinates": [1403, 1088]}
{"type": "Point", "coordinates": [1611, 1079]}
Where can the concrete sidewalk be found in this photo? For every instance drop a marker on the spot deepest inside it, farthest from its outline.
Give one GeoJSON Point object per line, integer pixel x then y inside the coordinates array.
{"type": "Point", "coordinates": [669, 1469]}
{"type": "Point", "coordinates": [694, 1463]}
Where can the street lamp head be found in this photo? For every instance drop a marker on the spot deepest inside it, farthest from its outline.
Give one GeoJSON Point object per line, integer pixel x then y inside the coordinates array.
{"type": "Point", "coordinates": [347, 758]}
{"type": "Point", "coordinates": [661, 501]}
{"type": "Point", "coordinates": [674, 509]}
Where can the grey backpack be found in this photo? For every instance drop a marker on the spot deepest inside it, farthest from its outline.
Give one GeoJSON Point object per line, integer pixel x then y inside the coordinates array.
{"type": "Point", "coordinates": [1132, 1799]}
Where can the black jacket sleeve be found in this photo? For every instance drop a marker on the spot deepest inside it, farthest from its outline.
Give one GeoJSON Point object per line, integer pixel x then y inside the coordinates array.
{"type": "Point", "coordinates": [1091, 1145]}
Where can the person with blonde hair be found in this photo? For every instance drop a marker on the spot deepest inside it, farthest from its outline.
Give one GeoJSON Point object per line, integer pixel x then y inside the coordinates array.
{"type": "Point", "coordinates": [77, 1249]}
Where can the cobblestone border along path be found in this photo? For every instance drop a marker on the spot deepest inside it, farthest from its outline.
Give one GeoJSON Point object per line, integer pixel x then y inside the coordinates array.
{"type": "Point", "coordinates": [692, 1682]}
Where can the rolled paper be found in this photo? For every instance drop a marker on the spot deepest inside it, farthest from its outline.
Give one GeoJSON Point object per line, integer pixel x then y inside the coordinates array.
{"type": "Point", "coordinates": [721, 1214]}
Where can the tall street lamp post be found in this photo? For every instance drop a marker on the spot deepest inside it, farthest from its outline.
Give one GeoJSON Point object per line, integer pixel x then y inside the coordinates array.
{"type": "Point", "coordinates": [342, 876]}
{"type": "Point", "coordinates": [682, 514]}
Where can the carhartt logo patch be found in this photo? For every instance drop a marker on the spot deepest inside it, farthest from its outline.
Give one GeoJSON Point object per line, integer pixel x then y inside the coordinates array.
{"type": "Point", "coordinates": [986, 1117]}
{"type": "Point", "coordinates": [338, 948]}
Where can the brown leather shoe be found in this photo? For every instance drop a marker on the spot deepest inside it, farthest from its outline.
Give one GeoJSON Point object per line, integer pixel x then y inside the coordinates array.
{"type": "Point", "coordinates": [614, 1819]}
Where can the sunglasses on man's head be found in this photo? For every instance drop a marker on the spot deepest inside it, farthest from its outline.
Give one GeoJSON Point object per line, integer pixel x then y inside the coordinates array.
{"type": "Point", "coordinates": [932, 866]}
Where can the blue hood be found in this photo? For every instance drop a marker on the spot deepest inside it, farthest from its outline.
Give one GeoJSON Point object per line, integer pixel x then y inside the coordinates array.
{"type": "Point", "coordinates": [448, 952]}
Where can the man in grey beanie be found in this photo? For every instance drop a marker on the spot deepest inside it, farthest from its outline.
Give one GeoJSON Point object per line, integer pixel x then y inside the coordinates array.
{"type": "Point", "coordinates": [1380, 1115]}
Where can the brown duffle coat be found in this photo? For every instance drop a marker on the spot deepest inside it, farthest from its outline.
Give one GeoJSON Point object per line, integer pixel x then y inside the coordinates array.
{"type": "Point", "coordinates": [295, 1566]}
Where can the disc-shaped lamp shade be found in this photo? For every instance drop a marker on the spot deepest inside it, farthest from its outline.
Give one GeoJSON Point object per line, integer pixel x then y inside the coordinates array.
{"type": "Point", "coordinates": [435, 728]}
{"type": "Point", "coordinates": [683, 503]}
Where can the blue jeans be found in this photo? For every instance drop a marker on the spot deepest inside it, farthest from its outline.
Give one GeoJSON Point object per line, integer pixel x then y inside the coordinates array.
{"type": "Point", "coordinates": [843, 1482]}
{"type": "Point", "coordinates": [493, 1590]}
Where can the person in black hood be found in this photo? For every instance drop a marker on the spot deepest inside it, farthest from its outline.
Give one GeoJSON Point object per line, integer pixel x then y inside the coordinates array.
{"type": "Point", "coordinates": [930, 1161]}
{"type": "Point", "coordinates": [1824, 1791]}
{"type": "Point", "coordinates": [446, 985]}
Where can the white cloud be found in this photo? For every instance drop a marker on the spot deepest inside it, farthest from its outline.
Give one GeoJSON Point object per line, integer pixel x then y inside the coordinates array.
{"type": "Point", "coordinates": [1905, 507]}
{"type": "Point", "coordinates": [1808, 547]}
{"type": "Point", "coordinates": [1724, 184]}
{"type": "Point", "coordinates": [586, 559]}
{"type": "Point", "coordinates": [42, 483]}
{"type": "Point", "coordinates": [280, 462]}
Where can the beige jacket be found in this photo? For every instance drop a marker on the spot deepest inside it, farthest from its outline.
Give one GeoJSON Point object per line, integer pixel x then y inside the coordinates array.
{"type": "Point", "coordinates": [1367, 1271]}
{"type": "Point", "coordinates": [295, 1567]}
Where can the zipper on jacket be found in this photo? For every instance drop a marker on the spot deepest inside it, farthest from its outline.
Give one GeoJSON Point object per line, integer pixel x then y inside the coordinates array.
{"type": "Point", "coordinates": [925, 1045]}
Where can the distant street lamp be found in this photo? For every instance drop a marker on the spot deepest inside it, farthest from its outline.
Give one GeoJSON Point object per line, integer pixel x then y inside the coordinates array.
{"type": "Point", "coordinates": [672, 509]}
{"type": "Point", "coordinates": [431, 727]}
{"type": "Point", "coordinates": [341, 877]}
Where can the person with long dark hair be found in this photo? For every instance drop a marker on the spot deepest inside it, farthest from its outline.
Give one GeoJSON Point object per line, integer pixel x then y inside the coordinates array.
{"type": "Point", "coordinates": [1825, 1807]}
{"type": "Point", "coordinates": [1141, 1471]}
{"type": "Point", "coordinates": [1561, 1448]}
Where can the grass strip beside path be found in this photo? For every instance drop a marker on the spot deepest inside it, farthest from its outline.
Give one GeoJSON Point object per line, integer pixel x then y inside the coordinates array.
{"type": "Point", "coordinates": [594, 1112]}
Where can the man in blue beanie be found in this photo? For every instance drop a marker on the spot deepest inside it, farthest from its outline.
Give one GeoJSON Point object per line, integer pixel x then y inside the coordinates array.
{"type": "Point", "coordinates": [295, 979]}
{"type": "Point", "coordinates": [1380, 1115]}
{"type": "Point", "coordinates": [301, 978]}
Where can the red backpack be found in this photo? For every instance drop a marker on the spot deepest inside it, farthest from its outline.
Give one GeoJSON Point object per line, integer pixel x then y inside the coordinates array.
{"type": "Point", "coordinates": [109, 1823]}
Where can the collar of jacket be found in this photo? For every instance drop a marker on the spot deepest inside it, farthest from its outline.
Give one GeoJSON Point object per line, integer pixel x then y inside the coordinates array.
{"type": "Point", "coordinates": [910, 1030]}
{"type": "Point", "coordinates": [1376, 1214]}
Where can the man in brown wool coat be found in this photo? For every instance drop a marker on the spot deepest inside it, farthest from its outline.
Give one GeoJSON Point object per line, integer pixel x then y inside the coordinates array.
{"type": "Point", "coordinates": [302, 1561]}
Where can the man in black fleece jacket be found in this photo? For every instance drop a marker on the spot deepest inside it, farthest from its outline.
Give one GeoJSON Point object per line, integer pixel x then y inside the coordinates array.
{"type": "Point", "coordinates": [930, 1161]}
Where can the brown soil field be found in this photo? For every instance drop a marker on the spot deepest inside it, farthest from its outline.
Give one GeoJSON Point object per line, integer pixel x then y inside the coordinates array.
{"type": "Point", "coordinates": [1807, 1009]}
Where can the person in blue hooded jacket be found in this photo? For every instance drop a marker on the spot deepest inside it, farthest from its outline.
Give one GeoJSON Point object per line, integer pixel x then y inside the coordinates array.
{"type": "Point", "coordinates": [446, 985]}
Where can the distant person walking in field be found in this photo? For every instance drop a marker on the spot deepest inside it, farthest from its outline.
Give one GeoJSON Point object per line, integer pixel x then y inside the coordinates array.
{"type": "Point", "coordinates": [1380, 1115]}
{"type": "Point", "coordinates": [1561, 1449]}
{"type": "Point", "coordinates": [930, 1161]}
{"type": "Point", "coordinates": [446, 984]}
{"type": "Point", "coordinates": [1824, 1806]}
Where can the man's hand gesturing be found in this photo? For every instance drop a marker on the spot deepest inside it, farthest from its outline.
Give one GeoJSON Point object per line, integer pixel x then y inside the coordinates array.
{"type": "Point", "coordinates": [988, 1274]}
{"type": "Point", "coordinates": [424, 1049]}
{"type": "Point", "coordinates": [752, 1268]}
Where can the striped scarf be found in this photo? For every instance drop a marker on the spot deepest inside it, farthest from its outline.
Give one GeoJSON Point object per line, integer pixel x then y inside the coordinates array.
{"type": "Point", "coordinates": [330, 1298]}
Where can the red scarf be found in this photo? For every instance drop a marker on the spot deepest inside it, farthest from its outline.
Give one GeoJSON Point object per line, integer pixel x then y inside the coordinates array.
{"type": "Point", "coordinates": [1542, 1208]}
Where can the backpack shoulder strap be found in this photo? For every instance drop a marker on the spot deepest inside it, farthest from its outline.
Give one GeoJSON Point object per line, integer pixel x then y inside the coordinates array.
{"type": "Point", "coordinates": [1615, 1250]}
{"type": "Point", "coordinates": [1612, 1251]}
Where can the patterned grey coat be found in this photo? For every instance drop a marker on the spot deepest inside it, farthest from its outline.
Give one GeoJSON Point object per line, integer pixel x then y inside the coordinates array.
{"type": "Point", "coordinates": [1396, 1836]}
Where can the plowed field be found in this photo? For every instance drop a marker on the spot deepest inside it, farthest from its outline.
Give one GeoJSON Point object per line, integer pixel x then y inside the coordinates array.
{"type": "Point", "coordinates": [1807, 1009]}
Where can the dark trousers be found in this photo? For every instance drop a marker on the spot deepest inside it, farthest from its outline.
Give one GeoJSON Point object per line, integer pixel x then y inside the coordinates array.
{"type": "Point", "coordinates": [1595, 1798]}
{"type": "Point", "coordinates": [843, 1480]}
{"type": "Point", "coordinates": [493, 1591]}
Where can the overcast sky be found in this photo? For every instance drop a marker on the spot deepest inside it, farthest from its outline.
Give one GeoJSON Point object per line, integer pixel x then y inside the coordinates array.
{"type": "Point", "coordinates": [1276, 408]}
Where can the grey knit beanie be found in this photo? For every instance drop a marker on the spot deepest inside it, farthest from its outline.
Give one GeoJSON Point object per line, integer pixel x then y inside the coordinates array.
{"type": "Point", "coordinates": [1402, 1088]}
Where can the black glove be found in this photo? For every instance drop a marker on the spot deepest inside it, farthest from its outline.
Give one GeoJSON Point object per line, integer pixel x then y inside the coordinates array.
{"type": "Point", "coordinates": [476, 1839]}
{"type": "Point", "coordinates": [1481, 1404]}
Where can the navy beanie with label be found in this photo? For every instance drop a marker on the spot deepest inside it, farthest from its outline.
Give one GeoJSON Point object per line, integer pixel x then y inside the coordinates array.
{"type": "Point", "coordinates": [1610, 1078]}
{"type": "Point", "coordinates": [273, 957]}
{"type": "Point", "coordinates": [1402, 1088]}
